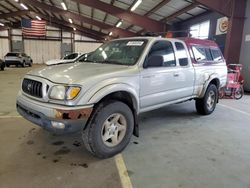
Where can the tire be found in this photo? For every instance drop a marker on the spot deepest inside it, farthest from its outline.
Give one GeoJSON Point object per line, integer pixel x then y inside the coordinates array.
{"type": "Point", "coordinates": [30, 65]}
{"type": "Point", "coordinates": [7, 65]}
{"type": "Point", "coordinates": [23, 64]}
{"type": "Point", "coordinates": [2, 67]}
{"type": "Point", "coordinates": [97, 136]}
{"type": "Point", "coordinates": [207, 104]}
{"type": "Point", "coordinates": [239, 92]}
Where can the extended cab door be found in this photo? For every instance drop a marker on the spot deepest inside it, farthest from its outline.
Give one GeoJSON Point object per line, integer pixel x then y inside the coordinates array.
{"type": "Point", "coordinates": [159, 83]}
{"type": "Point", "coordinates": [186, 74]}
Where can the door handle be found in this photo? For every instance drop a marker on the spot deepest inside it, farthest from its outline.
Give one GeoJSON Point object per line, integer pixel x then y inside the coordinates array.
{"type": "Point", "coordinates": [176, 74]}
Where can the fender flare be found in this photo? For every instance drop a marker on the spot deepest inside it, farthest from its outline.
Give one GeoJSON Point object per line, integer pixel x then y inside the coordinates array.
{"type": "Point", "coordinates": [105, 91]}
{"type": "Point", "coordinates": [112, 88]}
{"type": "Point", "coordinates": [208, 81]}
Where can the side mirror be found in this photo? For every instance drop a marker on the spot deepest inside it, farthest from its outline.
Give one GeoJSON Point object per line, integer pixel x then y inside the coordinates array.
{"type": "Point", "coordinates": [154, 61]}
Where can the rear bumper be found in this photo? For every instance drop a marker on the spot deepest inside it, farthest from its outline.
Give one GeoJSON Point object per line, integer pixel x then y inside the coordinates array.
{"type": "Point", "coordinates": [54, 118]}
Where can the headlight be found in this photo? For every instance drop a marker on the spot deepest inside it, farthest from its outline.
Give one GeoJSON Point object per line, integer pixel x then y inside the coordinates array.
{"type": "Point", "coordinates": [61, 92]}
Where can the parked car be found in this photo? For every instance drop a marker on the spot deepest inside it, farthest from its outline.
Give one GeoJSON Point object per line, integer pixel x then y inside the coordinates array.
{"type": "Point", "coordinates": [2, 64]}
{"type": "Point", "coordinates": [17, 58]}
{"type": "Point", "coordinates": [84, 57]}
{"type": "Point", "coordinates": [71, 58]}
{"type": "Point", "coordinates": [103, 97]}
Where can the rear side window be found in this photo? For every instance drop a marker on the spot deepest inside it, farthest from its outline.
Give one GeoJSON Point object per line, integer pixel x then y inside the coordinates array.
{"type": "Point", "coordinates": [181, 54]}
{"type": "Point", "coordinates": [217, 56]}
{"type": "Point", "coordinates": [201, 54]}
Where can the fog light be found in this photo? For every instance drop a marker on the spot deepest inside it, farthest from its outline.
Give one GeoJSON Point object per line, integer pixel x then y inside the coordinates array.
{"type": "Point", "coordinates": [57, 125]}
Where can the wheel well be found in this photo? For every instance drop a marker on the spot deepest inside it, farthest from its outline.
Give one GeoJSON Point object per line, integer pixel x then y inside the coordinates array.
{"type": "Point", "coordinates": [122, 96]}
{"type": "Point", "coordinates": [216, 82]}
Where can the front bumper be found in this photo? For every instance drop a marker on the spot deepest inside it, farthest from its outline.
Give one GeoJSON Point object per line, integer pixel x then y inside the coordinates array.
{"type": "Point", "coordinates": [54, 118]}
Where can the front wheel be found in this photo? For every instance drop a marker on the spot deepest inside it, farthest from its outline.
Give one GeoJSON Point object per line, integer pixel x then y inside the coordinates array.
{"type": "Point", "coordinates": [207, 104]}
{"type": "Point", "coordinates": [109, 130]}
{"type": "Point", "coordinates": [239, 93]}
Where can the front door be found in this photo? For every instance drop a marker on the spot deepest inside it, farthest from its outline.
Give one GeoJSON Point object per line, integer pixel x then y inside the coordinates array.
{"type": "Point", "coordinates": [158, 83]}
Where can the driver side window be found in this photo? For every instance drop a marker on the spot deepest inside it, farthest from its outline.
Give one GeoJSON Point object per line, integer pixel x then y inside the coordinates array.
{"type": "Point", "coordinates": [161, 50]}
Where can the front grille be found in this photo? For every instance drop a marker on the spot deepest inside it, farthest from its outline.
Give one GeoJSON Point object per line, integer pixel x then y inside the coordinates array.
{"type": "Point", "coordinates": [32, 87]}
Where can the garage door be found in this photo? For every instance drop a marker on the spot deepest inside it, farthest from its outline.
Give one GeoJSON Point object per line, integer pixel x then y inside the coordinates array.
{"type": "Point", "coordinates": [42, 51]}
{"type": "Point", "coordinates": [4, 47]}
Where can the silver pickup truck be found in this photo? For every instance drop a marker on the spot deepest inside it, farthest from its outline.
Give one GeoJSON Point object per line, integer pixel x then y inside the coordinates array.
{"type": "Point", "coordinates": [103, 96]}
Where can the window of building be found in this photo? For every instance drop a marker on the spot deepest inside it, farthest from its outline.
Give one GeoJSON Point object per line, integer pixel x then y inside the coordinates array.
{"type": "Point", "coordinates": [200, 30]}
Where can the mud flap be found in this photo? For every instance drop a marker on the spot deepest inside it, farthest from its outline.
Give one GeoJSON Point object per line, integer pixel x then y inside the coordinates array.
{"type": "Point", "coordinates": [136, 125]}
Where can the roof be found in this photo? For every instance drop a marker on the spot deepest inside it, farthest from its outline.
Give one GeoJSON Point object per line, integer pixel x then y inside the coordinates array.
{"type": "Point", "coordinates": [98, 18]}
{"type": "Point", "coordinates": [195, 41]}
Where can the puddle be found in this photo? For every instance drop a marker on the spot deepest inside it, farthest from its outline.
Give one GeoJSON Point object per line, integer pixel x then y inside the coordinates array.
{"type": "Point", "coordinates": [84, 165]}
{"type": "Point", "coordinates": [30, 142]}
{"type": "Point", "coordinates": [77, 143]}
{"type": "Point", "coordinates": [55, 160]}
{"type": "Point", "coordinates": [63, 151]}
{"type": "Point", "coordinates": [32, 130]}
{"type": "Point", "coordinates": [58, 143]}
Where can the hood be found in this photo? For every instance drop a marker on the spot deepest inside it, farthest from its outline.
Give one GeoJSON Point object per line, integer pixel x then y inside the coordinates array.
{"type": "Point", "coordinates": [56, 61]}
{"type": "Point", "coordinates": [78, 72]}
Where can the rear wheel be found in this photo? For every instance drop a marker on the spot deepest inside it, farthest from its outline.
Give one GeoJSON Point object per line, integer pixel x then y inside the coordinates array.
{"type": "Point", "coordinates": [207, 104]}
{"type": "Point", "coordinates": [109, 130]}
{"type": "Point", "coordinates": [2, 67]}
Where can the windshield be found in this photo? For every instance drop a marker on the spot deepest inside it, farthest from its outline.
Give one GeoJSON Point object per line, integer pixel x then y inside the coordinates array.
{"type": "Point", "coordinates": [12, 54]}
{"type": "Point", "coordinates": [71, 56]}
{"type": "Point", "coordinates": [122, 52]}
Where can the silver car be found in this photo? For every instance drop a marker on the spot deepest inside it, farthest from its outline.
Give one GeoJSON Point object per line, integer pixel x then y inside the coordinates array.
{"type": "Point", "coordinates": [17, 58]}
